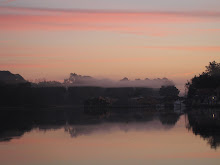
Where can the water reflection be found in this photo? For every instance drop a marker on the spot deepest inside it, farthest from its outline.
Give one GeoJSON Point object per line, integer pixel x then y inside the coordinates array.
{"type": "Point", "coordinates": [205, 123]}
{"type": "Point", "coordinates": [16, 122]}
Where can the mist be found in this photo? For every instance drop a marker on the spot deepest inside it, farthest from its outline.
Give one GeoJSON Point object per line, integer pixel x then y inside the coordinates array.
{"type": "Point", "coordinates": [79, 80]}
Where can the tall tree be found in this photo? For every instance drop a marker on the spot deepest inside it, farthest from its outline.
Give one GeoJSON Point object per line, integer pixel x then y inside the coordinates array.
{"type": "Point", "coordinates": [213, 69]}
{"type": "Point", "coordinates": [208, 80]}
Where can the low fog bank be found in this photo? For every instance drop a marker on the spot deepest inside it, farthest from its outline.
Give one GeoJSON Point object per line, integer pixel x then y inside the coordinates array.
{"type": "Point", "coordinates": [77, 89]}
{"type": "Point", "coordinates": [79, 80]}
{"type": "Point", "coordinates": [75, 80]}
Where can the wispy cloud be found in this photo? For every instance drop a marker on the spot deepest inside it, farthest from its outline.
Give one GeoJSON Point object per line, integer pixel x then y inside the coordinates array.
{"type": "Point", "coordinates": [185, 48]}
{"type": "Point", "coordinates": [117, 12]}
{"type": "Point", "coordinates": [7, 1]}
{"type": "Point", "coordinates": [187, 74]}
{"type": "Point", "coordinates": [3, 66]}
{"type": "Point", "coordinates": [135, 22]}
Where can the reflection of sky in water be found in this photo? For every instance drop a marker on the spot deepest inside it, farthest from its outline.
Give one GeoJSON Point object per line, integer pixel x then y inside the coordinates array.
{"type": "Point", "coordinates": [107, 128]}
{"type": "Point", "coordinates": [110, 143]}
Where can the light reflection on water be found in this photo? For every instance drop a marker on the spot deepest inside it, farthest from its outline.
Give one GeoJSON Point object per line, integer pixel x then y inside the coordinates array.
{"type": "Point", "coordinates": [47, 137]}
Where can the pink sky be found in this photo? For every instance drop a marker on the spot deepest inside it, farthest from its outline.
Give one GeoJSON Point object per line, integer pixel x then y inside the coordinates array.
{"type": "Point", "coordinates": [51, 43]}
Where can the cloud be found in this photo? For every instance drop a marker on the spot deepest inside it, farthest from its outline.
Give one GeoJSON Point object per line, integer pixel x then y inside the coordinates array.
{"type": "Point", "coordinates": [183, 74]}
{"type": "Point", "coordinates": [189, 73]}
{"type": "Point", "coordinates": [209, 30]}
{"type": "Point", "coordinates": [117, 12]}
{"type": "Point", "coordinates": [7, 1]}
{"type": "Point", "coordinates": [186, 48]}
{"type": "Point", "coordinates": [134, 22]}
{"type": "Point", "coordinates": [6, 66]}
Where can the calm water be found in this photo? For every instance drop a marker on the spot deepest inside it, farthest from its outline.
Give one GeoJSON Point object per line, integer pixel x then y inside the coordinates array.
{"type": "Point", "coordinates": [57, 136]}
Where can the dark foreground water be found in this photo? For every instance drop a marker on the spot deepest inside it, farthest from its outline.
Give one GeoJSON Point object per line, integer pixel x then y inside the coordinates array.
{"type": "Point", "coordinates": [67, 136]}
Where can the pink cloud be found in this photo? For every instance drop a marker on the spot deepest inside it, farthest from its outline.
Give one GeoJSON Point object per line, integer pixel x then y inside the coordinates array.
{"type": "Point", "coordinates": [182, 74]}
{"type": "Point", "coordinates": [113, 60]}
{"type": "Point", "coordinates": [186, 48]}
{"type": "Point", "coordinates": [17, 19]}
{"type": "Point", "coordinates": [209, 30]}
{"type": "Point", "coordinates": [65, 63]}
{"type": "Point", "coordinates": [52, 11]}
{"type": "Point", "coordinates": [189, 73]}
{"type": "Point", "coordinates": [22, 66]}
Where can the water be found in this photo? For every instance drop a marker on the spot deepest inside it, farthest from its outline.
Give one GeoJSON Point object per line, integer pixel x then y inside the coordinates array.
{"type": "Point", "coordinates": [67, 136]}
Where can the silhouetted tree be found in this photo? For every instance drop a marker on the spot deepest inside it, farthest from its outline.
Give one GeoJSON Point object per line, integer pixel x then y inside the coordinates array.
{"type": "Point", "coordinates": [49, 84]}
{"type": "Point", "coordinates": [124, 79]}
{"type": "Point", "coordinates": [169, 91]}
{"type": "Point", "coordinates": [210, 80]}
{"type": "Point", "coordinates": [213, 69]}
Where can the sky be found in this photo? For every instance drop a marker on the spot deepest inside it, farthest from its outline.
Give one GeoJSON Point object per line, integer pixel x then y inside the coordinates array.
{"type": "Point", "coordinates": [109, 39]}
